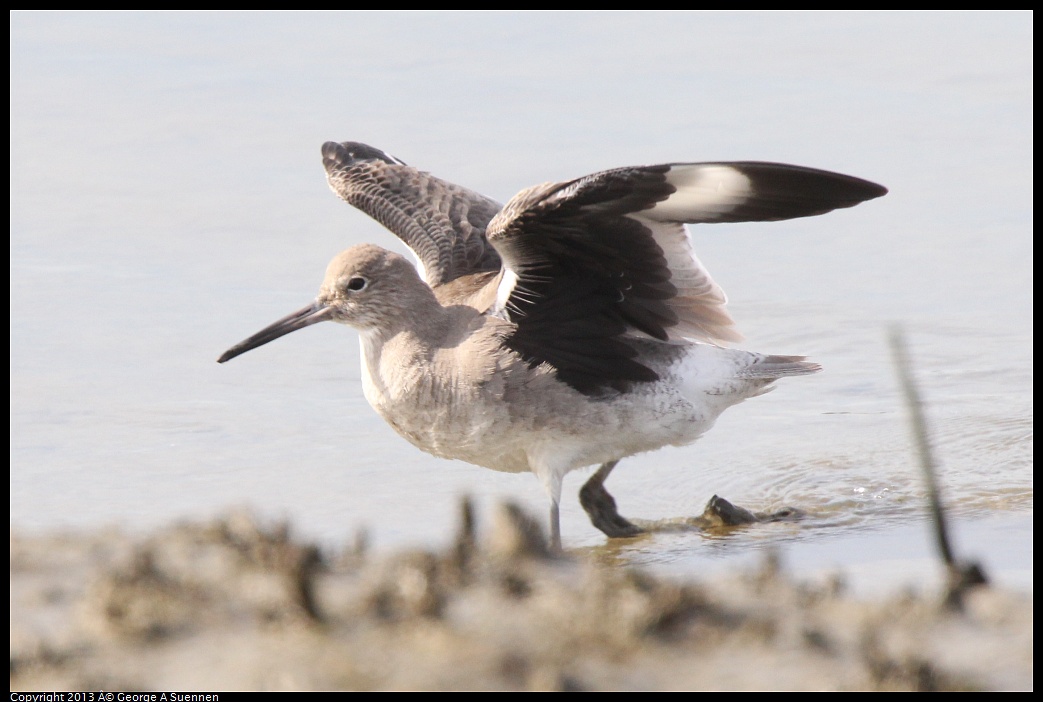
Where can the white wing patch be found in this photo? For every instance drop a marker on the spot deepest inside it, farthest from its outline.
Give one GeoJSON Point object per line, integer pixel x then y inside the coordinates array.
{"type": "Point", "coordinates": [704, 193]}
{"type": "Point", "coordinates": [503, 293]}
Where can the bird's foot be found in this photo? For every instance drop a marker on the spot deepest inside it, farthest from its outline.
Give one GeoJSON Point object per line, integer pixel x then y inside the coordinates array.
{"type": "Point", "coordinates": [721, 512]}
{"type": "Point", "coordinates": [600, 506]}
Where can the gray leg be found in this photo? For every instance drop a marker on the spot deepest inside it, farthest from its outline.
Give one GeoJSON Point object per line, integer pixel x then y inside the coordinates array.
{"type": "Point", "coordinates": [555, 527]}
{"type": "Point", "coordinates": [601, 506]}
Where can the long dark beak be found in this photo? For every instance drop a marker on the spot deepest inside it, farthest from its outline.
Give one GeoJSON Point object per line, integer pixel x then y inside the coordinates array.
{"type": "Point", "coordinates": [312, 314]}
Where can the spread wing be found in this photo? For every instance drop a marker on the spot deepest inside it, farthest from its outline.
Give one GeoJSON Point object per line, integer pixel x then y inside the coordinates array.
{"type": "Point", "coordinates": [597, 266]}
{"type": "Point", "coordinates": [444, 224]}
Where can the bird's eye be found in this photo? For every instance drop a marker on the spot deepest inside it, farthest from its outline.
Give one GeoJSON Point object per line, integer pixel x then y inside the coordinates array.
{"type": "Point", "coordinates": [356, 283]}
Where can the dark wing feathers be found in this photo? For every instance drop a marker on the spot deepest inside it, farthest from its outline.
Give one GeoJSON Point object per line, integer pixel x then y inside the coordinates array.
{"type": "Point", "coordinates": [782, 191]}
{"type": "Point", "coordinates": [597, 267]}
{"type": "Point", "coordinates": [775, 191]}
{"type": "Point", "coordinates": [595, 258]}
{"type": "Point", "coordinates": [589, 352]}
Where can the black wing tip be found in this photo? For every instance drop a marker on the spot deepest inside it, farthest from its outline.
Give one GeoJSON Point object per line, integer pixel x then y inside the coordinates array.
{"type": "Point", "coordinates": [831, 183]}
{"type": "Point", "coordinates": [864, 190]}
{"type": "Point", "coordinates": [875, 190]}
{"type": "Point", "coordinates": [231, 353]}
{"type": "Point", "coordinates": [854, 191]}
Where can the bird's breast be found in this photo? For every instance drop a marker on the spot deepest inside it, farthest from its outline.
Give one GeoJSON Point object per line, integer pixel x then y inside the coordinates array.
{"type": "Point", "coordinates": [440, 405]}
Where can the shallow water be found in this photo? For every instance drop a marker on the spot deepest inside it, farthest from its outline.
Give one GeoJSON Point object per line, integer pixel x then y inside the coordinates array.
{"type": "Point", "coordinates": [167, 200]}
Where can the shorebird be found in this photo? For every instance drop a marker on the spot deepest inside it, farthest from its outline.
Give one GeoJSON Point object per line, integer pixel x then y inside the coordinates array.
{"type": "Point", "coordinates": [572, 327]}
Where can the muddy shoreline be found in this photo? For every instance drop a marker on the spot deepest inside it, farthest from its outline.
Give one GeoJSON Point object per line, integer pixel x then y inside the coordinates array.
{"type": "Point", "coordinates": [237, 604]}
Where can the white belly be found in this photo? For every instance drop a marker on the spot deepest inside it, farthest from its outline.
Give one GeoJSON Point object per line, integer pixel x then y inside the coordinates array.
{"type": "Point", "coordinates": [525, 419]}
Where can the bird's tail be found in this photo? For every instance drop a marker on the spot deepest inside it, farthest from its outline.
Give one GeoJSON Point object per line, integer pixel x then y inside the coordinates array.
{"type": "Point", "coordinates": [771, 367]}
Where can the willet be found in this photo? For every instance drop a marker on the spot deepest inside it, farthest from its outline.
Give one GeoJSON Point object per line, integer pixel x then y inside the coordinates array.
{"type": "Point", "coordinates": [572, 327]}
